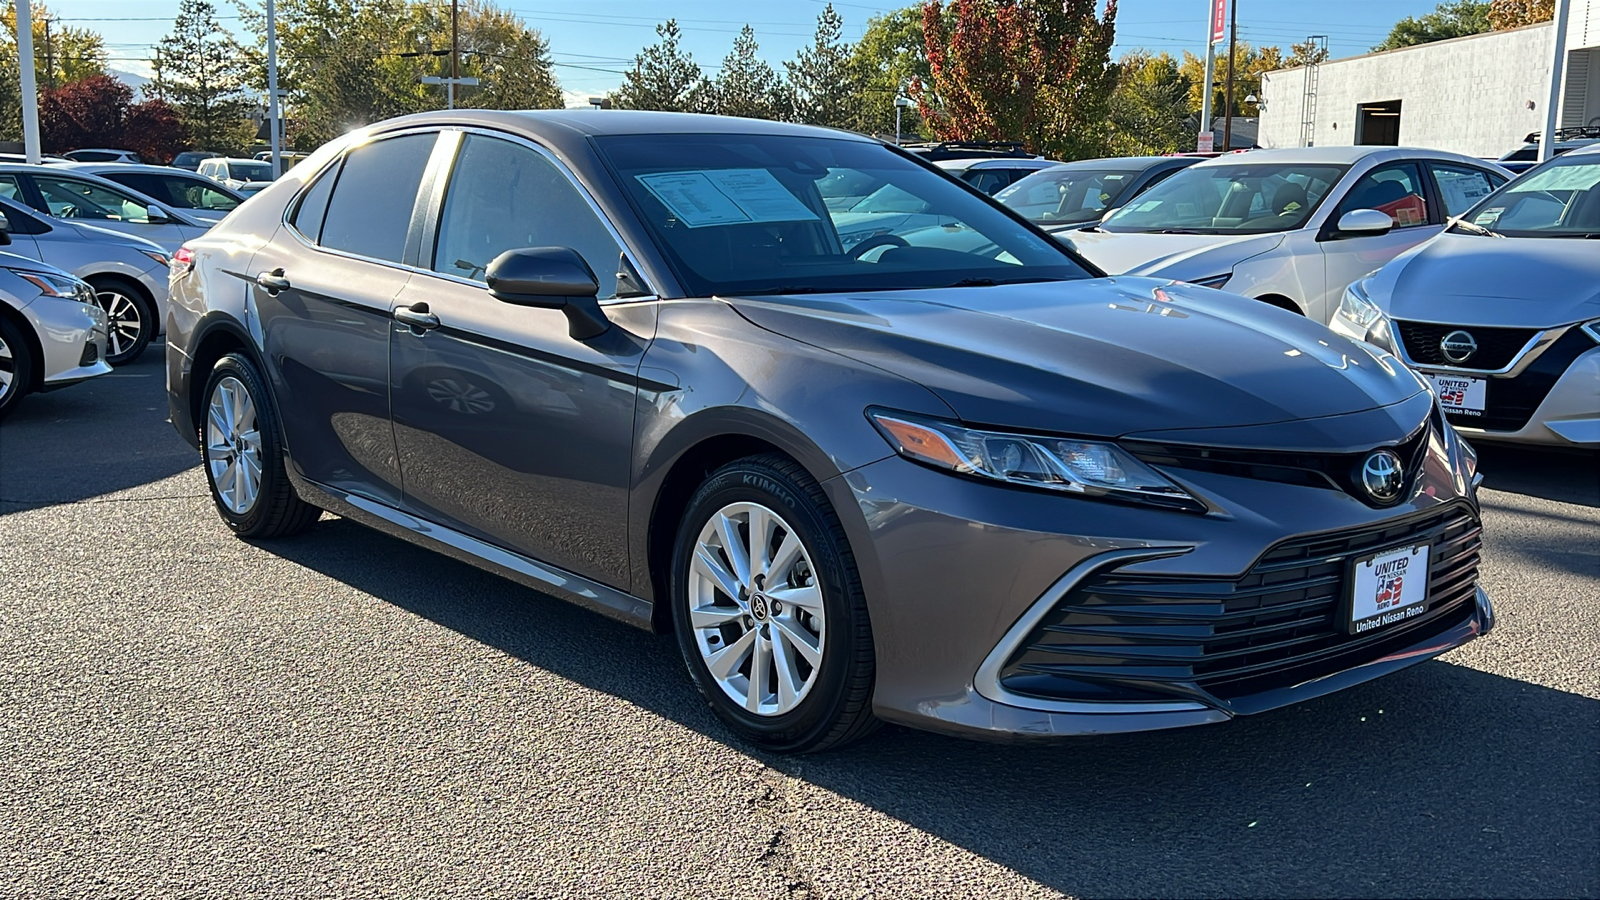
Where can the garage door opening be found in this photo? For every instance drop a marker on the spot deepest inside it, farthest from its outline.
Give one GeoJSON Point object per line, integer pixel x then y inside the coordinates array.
{"type": "Point", "coordinates": [1378, 124]}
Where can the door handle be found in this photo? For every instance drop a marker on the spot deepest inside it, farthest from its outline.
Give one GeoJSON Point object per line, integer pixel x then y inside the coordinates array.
{"type": "Point", "coordinates": [273, 282]}
{"type": "Point", "coordinates": [417, 316]}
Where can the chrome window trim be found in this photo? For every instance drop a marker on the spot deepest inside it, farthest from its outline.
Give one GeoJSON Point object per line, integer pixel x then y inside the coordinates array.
{"type": "Point", "coordinates": [1592, 329]}
{"type": "Point", "coordinates": [987, 680]}
{"type": "Point", "coordinates": [1524, 358]}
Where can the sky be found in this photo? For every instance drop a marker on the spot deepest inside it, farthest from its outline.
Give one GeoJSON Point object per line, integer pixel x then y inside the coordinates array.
{"type": "Point", "coordinates": [593, 41]}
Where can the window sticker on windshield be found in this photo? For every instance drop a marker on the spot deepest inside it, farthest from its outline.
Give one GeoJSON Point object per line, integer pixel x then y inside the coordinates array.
{"type": "Point", "coordinates": [726, 197]}
{"type": "Point", "coordinates": [1489, 216]}
{"type": "Point", "coordinates": [1147, 205]}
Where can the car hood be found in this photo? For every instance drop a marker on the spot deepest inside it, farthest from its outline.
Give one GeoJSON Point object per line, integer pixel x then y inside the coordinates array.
{"type": "Point", "coordinates": [107, 236]}
{"type": "Point", "coordinates": [1169, 255]}
{"type": "Point", "coordinates": [1097, 357]}
{"type": "Point", "coordinates": [1468, 279]}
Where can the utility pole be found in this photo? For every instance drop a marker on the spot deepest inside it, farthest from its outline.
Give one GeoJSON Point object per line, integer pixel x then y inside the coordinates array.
{"type": "Point", "coordinates": [49, 58]}
{"type": "Point", "coordinates": [1552, 107]}
{"type": "Point", "coordinates": [30, 86]}
{"type": "Point", "coordinates": [1227, 90]}
{"type": "Point", "coordinates": [276, 125]}
{"type": "Point", "coordinates": [1206, 139]}
{"type": "Point", "coordinates": [455, 52]}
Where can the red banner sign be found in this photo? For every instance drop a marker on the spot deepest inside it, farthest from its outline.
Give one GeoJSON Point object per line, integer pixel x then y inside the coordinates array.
{"type": "Point", "coordinates": [1219, 21]}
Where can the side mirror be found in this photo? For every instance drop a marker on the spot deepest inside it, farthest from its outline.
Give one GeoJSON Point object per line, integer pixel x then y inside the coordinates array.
{"type": "Point", "coordinates": [1365, 223]}
{"type": "Point", "coordinates": [5, 231]}
{"type": "Point", "coordinates": [550, 278]}
{"type": "Point", "coordinates": [156, 215]}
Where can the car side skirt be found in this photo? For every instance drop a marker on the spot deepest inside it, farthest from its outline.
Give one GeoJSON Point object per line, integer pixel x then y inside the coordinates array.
{"type": "Point", "coordinates": [525, 570]}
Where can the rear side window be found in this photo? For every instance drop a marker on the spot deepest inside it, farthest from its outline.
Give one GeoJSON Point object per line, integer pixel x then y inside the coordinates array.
{"type": "Point", "coordinates": [1461, 187]}
{"type": "Point", "coordinates": [370, 210]}
{"type": "Point", "coordinates": [149, 185]}
{"type": "Point", "coordinates": [307, 218]}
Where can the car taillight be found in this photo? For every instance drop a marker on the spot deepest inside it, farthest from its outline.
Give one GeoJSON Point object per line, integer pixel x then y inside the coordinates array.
{"type": "Point", "coordinates": [182, 261]}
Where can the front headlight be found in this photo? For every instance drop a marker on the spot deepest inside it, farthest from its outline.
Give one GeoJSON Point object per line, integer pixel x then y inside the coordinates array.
{"type": "Point", "coordinates": [1069, 465]}
{"type": "Point", "coordinates": [161, 258]}
{"type": "Point", "coordinates": [1360, 318]}
{"type": "Point", "coordinates": [57, 285]}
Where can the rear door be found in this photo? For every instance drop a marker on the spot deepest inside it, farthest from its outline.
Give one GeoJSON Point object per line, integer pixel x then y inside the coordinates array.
{"type": "Point", "coordinates": [322, 290]}
{"type": "Point", "coordinates": [1397, 189]}
{"type": "Point", "coordinates": [507, 428]}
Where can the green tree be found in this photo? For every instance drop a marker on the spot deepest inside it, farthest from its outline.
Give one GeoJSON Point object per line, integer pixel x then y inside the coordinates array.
{"type": "Point", "coordinates": [664, 77]}
{"type": "Point", "coordinates": [823, 83]}
{"type": "Point", "coordinates": [511, 60]}
{"type": "Point", "coordinates": [1452, 19]}
{"type": "Point", "coordinates": [747, 86]}
{"type": "Point", "coordinates": [1037, 71]}
{"type": "Point", "coordinates": [1150, 113]}
{"type": "Point", "coordinates": [61, 54]}
{"type": "Point", "coordinates": [1305, 53]}
{"type": "Point", "coordinates": [1249, 63]}
{"type": "Point", "coordinates": [891, 54]}
{"type": "Point", "coordinates": [205, 75]}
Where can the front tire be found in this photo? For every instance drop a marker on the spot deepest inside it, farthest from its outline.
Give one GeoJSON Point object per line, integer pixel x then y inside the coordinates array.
{"type": "Point", "coordinates": [16, 367]}
{"type": "Point", "coordinates": [130, 319]}
{"type": "Point", "coordinates": [769, 611]}
{"type": "Point", "coordinates": [243, 458]}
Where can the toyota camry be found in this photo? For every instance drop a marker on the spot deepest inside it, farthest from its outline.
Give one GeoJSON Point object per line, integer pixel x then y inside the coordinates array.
{"type": "Point", "coordinates": [972, 486]}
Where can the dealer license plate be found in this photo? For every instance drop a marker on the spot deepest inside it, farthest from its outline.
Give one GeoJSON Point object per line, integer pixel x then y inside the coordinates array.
{"type": "Point", "coordinates": [1388, 587]}
{"type": "Point", "coordinates": [1460, 394]}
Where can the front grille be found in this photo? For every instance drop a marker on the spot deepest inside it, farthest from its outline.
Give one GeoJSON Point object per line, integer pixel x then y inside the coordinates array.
{"type": "Point", "coordinates": [1122, 636]}
{"type": "Point", "coordinates": [1497, 347]}
{"type": "Point", "coordinates": [1336, 471]}
{"type": "Point", "coordinates": [1510, 402]}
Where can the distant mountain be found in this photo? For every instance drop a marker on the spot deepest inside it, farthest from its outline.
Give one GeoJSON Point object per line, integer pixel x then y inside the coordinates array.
{"type": "Point", "coordinates": [133, 80]}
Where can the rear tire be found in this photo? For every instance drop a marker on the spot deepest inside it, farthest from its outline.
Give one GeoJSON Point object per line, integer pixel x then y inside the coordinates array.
{"type": "Point", "coordinates": [16, 367]}
{"type": "Point", "coordinates": [775, 634]}
{"type": "Point", "coordinates": [130, 318]}
{"type": "Point", "coordinates": [242, 455]}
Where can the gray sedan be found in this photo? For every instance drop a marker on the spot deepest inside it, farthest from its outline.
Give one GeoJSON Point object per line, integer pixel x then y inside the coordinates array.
{"type": "Point", "coordinates": [200, 198]}
{"type": "Point", "coordinates": [625, 358]}
{"type": "Point", "coordinates": [67, 194]}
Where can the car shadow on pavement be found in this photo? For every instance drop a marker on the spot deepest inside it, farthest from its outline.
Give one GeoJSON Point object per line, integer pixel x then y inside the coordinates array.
{"type": "Point", "coordinates": [104, 435]}
{"type": "Point", "coordinates": [1437, 781]}
{"type": "Point", "coordinates": [1566, 476]}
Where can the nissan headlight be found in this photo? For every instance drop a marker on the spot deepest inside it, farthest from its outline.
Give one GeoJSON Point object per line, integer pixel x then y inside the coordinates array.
{"type": "Point", "coordinates": [1358, 317]}
{"type": "Point", "coordinates": [52, 285]}
{"type": "Point", "coordinates": [1068, 465]}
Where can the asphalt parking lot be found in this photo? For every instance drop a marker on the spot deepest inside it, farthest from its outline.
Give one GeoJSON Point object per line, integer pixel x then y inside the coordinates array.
{"type": "Point", "coordinates": [341, 714]}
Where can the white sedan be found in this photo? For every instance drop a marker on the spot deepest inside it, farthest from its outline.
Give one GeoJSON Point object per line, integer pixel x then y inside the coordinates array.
{"type": "Point", "coordinates": [1289, 227]}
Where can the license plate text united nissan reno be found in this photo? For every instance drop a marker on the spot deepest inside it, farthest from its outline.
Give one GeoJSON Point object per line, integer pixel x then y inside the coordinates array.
{"type": "Point", "coordinates": [935, 469]}
{"type": "Point", "coordinates": [1460, 393]}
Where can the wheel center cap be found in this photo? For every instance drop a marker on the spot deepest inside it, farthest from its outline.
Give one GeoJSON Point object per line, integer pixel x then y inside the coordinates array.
{"type": "Point", "coordinates": [758, 605]}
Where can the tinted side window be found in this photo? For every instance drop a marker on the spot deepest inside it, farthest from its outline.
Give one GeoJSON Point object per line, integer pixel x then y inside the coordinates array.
{"type": "Point", "coordinates": [1396, 190]}
{"type": "Point", "coordinates": [504, 196]}
{"type": "Point", "coordinates": [370, 210]}
{"type": "Point", "coordinates": [149, 185]}
{"type": "Point", "coordinates": [307, 218]}
{"type": "Point", "coordinates": [9, 188]}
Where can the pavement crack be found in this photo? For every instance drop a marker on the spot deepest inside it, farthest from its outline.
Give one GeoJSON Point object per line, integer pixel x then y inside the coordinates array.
{"type": "Point", "coordinates": [772, 797]}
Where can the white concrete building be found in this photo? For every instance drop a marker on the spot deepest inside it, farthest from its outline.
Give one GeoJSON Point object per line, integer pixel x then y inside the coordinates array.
{"type": "Point", "coordinates": [1478, 95]}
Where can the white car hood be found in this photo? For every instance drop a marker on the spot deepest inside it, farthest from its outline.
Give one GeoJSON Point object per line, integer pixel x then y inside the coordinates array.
{"type": "Point", "coordinates": [1180, 256]}
{"type": "Point", "coordinates": [1516, 282]}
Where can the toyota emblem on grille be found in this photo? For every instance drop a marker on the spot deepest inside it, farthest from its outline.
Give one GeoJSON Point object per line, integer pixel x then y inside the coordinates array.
{"type": "Point", "coordinates": [1458, 346]}
{"type": "Point", "coordinates": [1383, 476]}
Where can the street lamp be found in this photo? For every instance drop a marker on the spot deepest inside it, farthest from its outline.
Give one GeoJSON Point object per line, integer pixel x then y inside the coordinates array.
{"type": "Point", "coordinates": [900, 102]}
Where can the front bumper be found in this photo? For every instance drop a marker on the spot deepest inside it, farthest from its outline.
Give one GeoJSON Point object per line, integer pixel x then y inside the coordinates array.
{"type": "Point", "coordinates": [73, 337]}
{"type": "Point", "coordinates": [955, 576]}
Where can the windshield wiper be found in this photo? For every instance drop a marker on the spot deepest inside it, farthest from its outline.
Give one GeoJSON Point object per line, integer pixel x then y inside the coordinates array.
{"type": "Point", "coordinates": [973, 282]}
{"type": "Point", "coordinates": [1474, 228]}
{"type": "Point", "coordinates": [1181, 231]}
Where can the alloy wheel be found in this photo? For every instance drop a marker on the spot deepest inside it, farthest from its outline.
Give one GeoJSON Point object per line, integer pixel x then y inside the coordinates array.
{"type": "Point", "coordinates": [233, 445]}
{"type": "Point", "coordinates": [123, 321]}
{"type": "Point", "coordinates": [8, 368]}
{"type": "Point", "coordinates": [756, 609]}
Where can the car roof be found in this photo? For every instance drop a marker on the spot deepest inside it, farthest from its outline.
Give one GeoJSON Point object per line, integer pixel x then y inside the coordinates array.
{"type": "Point", "coordinates": [1131, 163]}
{"type": "Point", "coordinates": [1592, 149]}
{"type": "Point", "coordinates": [95, 168]}
{"type": "Point", "coordinates": [1335, 156]}
{"type": "Point", "coordinates": [600, 122]}
{"type": "Point", "coordinates": [993, 162]}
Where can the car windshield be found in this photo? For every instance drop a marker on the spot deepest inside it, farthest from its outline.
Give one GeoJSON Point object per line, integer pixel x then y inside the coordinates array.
{"type": "Point", "coordinates": [1561, 200]}
{"type": "Point", "coordinates": [1234, 198]}
{"type": "Point", "coordinates": [1069, 194]}
{"type": "Point", "coordinates": [250, 171]}
{"type": "Point", "coordinates": [747, 214]}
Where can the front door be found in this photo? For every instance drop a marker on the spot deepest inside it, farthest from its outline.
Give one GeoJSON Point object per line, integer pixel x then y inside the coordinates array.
{"type": "Point", "coordinates": [103, 207]}
{"type": "Point", "coordinates": [323, 290]}
{"type": "Point", "coordinates": [1395, 189]}
{"type": "Point", "coordinates": [506, 427]}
